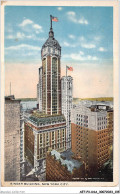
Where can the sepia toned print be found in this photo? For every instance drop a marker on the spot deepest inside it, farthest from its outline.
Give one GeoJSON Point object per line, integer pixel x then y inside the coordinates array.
{"type": "Point", "coordinates": [60, 103]}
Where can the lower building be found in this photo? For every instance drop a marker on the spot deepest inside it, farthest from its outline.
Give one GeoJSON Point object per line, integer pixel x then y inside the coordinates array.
{"type": "Point", "coordinates": [91, 137]}
{"type": "Point", "coordinates": [43, 132]}
{"type": "Point", "coordinates": [62, 167]}
{"type": "Point", "coordinates": [12, 139]}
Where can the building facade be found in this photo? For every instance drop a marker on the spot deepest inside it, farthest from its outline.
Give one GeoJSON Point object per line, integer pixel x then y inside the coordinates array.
{"type": "Point", "coordinates": [110, 121]}
{"type": "Point", "coordinates": [51, 70]}
{"type": "Point", "coordinates": [67, 98]}
{"type": "Point", "coordinates": [41, 134]}
{"type": "Point", "coordinates": [22, 146]}
{"type": "Point", "coordinates": [90, 135]}
{"type": "Point", "coordinates": [12, 139]}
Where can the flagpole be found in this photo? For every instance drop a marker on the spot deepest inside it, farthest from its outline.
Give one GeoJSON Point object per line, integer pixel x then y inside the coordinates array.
{"type": "Point", "coordinates": [51, 21]}
{"type": "Point", "coordinates": [66, 71]}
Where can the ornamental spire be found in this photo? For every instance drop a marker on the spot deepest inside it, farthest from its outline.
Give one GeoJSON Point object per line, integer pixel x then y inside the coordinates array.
{"type": "Point", "coordinates": [51, 33]}
{"type": "Point", "coordinates": [55, 19]}
{"type": "Point", "coordinates": [51, 22]}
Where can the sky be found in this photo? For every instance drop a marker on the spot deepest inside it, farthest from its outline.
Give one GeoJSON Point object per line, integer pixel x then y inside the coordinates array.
{"type": "Point", "coordinates": [86, 38]}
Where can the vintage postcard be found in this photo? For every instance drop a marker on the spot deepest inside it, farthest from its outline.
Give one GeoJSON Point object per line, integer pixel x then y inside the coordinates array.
{"type": "Point", "coordinates": [59, 92]}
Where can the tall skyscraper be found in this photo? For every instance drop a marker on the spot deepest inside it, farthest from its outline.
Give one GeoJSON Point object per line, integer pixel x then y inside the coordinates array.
{"type": "Point", "coordinates": [67, 97]}
{"type": "Point", "coordinates": [46, 128]}
{"type": "Point", "coordinates": [51, 83]}
{"type": "Point", "coordinates": [39, 90]}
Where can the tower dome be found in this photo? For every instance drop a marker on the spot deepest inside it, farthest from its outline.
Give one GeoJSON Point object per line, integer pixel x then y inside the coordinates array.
{"type": "Point", "coordinates": [51, 46]}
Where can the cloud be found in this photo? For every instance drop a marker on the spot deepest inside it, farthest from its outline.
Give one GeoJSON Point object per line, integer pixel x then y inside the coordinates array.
{"type": "Point", "coordinates": [71, 13]}
{"type": "Point", "coordinates": [9, 28]}
{"type": "Point", "coordinates": [88, 45]}
{"type": "Point", "coordinates": [59, 8]}
{"type": "Point", "coordinates": [81, 53]}
{"type": "Point", "coordinates": [97, 38]}
{"type": "Point", "coordinates": [10, 37]}
{"type": "Point", "coordinates": [102, 49]}
{"type": "Point", "coordinates": [21, 36]}
{"type": "Point", "coordinates": [28, 25]}
{"type": "Point", "coordinates": [66, 44]}
{"type": "Point", "coordinates": [21, 52]}
{"type": "Point", "coordinates": [36, 26]}
{"type": "Point", "coordinates": [80, 57]}
{"type": "Point", "coordinates": [26, 22]}
{"type": "Point", "coordinates": [72, 17]}
{"type": "Point", "coordinates": [71, 36]}
{"type": "Point", "coordinates": [23, 47]}
{"type": "Point", "coordinates": [82, 38]}
{"type": "Point", "coordinates": [80, 42]}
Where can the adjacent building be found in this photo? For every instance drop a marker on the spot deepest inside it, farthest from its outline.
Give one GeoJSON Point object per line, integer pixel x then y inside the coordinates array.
{"type": "Point", "coordinates": [12, 139]}
{"type": "Point", "coordinates": [62, 167]}
{"type": "Point", "coordinates": [67, 98]}
{"type": "Point", "coordinates": [91, 137]}
{"type": "Point", "coordinates": [110, 117]}
{"type": "Point", "coordinates": [43, 132]}
{"type": "Point", "coordinates": [22, 146]}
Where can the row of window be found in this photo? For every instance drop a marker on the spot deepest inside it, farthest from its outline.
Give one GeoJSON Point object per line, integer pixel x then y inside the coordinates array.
{"type": "Point", "coordinates": [103, 127]}
{"type": "Point", "coordinates": [101, 118]}
{"type": "Point", "coordinates": [102, 132]}
{"type": "Point", "coordinates": [82, 116]}
{"type": "Point", "coordinates": [81, 124]}
{"type": "Point", "coordinates": [101, 123]}
{"type": "Point", "coordinates": [42, 137]}
{"type": "Point", "coordinates": [82, 120]}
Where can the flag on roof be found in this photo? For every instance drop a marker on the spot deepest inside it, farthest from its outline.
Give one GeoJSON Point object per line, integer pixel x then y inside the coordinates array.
{"type": "Point", "coordinates": [69, 68]}
{"type": "Point", "coordinates": [54, 19]}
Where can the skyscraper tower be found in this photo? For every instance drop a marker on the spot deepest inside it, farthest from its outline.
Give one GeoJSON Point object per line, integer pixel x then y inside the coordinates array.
{"type": "Point", "coordinates": [39, 90]}
{"type": "Point", "coordinates": [51, 84]}
{"type": "Point", "coordinates": [67, 97]}
{"type": "Point", "coordinates": [45, 129]}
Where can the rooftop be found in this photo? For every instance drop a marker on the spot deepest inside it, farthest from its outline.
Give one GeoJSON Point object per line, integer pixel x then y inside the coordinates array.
{"type": "Point", "coordinates": [11, 98]}
{"type": "Point", "coordinates": [41, 119]}
{"type": "Point", "coordinates": [66, 159]}
{"type": "Point", "coordinates": [100, 107]}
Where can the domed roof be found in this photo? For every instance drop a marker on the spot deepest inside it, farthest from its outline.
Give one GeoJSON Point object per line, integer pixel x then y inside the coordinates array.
{"type": "Point", "coordinates": [51, 41]}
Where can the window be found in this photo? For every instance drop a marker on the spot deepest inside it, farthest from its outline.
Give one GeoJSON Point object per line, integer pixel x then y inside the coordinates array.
{"type": "Point", "coordinates": [63, 133]}
{"type": "Point", "coordinates": [53, 135]}
{"type": "Point", "coordinates": [40, 138]}
{"type": "Point", "coordinates": [58, 134]}
{"type": "Point", "coordinates": [47, 137]}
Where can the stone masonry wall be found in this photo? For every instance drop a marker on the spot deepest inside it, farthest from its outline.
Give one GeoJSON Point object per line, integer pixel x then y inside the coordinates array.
{"type": "Point", "coordinates": [12, 140]}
